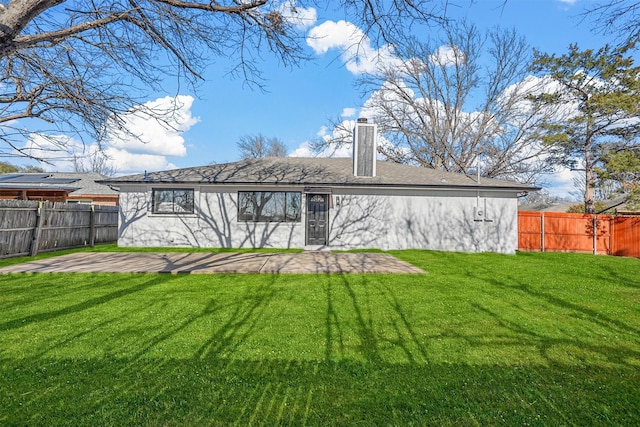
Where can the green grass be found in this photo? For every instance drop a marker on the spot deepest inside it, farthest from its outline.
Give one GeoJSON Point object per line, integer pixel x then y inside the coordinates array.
{"type": "Point", "coordinates": [482, 339]}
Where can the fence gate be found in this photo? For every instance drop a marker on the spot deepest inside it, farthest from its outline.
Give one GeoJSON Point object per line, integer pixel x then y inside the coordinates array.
{"type": "Point", "coordinates": [626, 236]}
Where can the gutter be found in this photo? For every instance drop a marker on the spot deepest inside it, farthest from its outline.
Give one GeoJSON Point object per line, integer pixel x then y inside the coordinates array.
{"type": "Point", "coordinates": [438, 187]}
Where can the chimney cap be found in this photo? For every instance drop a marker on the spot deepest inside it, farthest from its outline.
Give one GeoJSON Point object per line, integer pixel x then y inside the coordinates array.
{"type": "Point", "coordinates": [362, 120]}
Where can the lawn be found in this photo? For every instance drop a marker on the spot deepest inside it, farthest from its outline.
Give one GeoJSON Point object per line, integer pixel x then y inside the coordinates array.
{"type": "Point", "coordinates": [482, 339]}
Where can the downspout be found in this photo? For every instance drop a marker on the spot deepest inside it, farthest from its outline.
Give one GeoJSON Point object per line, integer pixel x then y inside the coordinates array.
{"type": "Point", "coordinates": [478, 192]}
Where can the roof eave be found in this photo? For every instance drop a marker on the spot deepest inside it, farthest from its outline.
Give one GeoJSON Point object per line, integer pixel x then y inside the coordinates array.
{"type": "Point", "coordinates": [467, 187]}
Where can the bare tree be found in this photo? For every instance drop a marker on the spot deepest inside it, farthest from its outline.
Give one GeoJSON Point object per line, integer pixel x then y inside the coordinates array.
{"type": "Point", "coordinates": [256, 146]}
{"type": "Point", "coordinates": [458, 101]}
{"type": "Point", "coordinates": [77, 66]}
{"type": "Point", "coordinates": [617, 18]}
{"type": "Point", "coordinates": [95, 161]}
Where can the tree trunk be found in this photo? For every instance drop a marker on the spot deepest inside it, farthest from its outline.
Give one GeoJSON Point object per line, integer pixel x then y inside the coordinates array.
{"type": "Point", "coordinates": [589, 192]}
{"type": "Point", "coordinates": [590, 179]}
{"type": "Point", "coordinates": [17, 15]}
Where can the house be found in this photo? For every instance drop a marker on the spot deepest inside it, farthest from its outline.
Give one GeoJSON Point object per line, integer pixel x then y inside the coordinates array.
{"type": "Point", "coordinates": [339, 203]}
{"type": "Point", "coordinates": [57, 187]}
{"type": "Point", "coordinates": [621, 205]}
{"type": "Point", "coordinates": [560, 206]}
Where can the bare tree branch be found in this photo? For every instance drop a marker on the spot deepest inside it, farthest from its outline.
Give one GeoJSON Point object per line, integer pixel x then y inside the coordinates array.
{"type": "Point", "coordinates": [256, 146]}
{"type": "Point", "coordinates": [78, 66]}
{"type": "Point", "coordinates": [620, 18]}
{"type": "Point", "coordinates": [444, 106]}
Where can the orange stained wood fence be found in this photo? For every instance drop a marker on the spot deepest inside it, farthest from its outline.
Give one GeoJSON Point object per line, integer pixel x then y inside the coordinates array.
{"type": "Point", "coordinates": [567, 232]}
{"type": "Point", "coordinates": [626, 240]}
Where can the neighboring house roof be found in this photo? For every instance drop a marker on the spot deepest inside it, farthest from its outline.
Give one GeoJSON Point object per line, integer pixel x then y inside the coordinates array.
{"type": "Point", "coordinates": [618, 205]}
{"type": "Point", "coordinates": [548, 207]}
{"type": "Point", "coordinates": [622, 205]}
{"type": "Point", "coordinates": [316, 172]}
{"type": "Point", "coordinates": [77, 184]}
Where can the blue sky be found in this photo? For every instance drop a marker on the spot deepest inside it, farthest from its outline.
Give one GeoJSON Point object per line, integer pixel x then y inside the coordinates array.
{"type": "Point", "coordinates": [299, 102]}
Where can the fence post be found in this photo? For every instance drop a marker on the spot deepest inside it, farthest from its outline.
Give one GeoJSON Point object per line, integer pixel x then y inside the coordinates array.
{"type": "Point", "coordinates": [92, 226]}
{"type": "Point", "coordinates": [595, 235]}
{"type": "Point", "coordinates": [33, 251]}
{"type": "Point", "coordinates": [542, 231]}
{"type": "Point", "coordinates": [610, 252]}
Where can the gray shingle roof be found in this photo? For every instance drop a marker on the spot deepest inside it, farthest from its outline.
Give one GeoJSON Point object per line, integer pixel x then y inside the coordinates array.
{"type": "Point", "coordinates": [77, 183]}
{"type": "Point", "coordinates": [316, 172]}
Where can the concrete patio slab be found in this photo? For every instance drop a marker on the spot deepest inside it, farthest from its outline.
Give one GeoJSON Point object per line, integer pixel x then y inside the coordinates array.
{"type": "Point", "coordinates": [228, 262]}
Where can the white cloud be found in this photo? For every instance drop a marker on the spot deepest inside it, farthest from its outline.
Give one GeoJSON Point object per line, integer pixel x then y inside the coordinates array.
{"type": "Point", "coordinates": [339, 142]}
{"type": "Point", "coordinates": [390, 96]}
{"type": "Point", "coordinates": [303, 150]}
{"type": "Point", "coordinates": [348, 112]}
{"type": "Point", "coordinates": [447, 56]}
{"type": "Point", "coordinates": [561, 183]}
{"type": "Point", "coordinates": [301, 17]}
{"type": "Point", "coordinates": [323, 133]}
{"type": "Point", "coordinates": [333, 35]}
{"type": "Point", "coordinates": [342, 132]}
{"type": "Point", "coordinates": [533, 85]}
{"type": "Point", "coordinates": [124, 153]}
{"type": "Point", "coordinates": [356, 49]}
{"type": "Point", "coordinates": [126, 162]}
{"type": "Point", "coordinates": [148, 135]}
{"type": "Point", "coordinates": [62, 153]}
{"type": "Point", "coordinates": [58, 150]}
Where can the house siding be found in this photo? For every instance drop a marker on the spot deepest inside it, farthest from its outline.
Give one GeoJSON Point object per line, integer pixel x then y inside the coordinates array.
{"type": "Point", "coordinates": [358, 218]}
{"type": "Point", "coordinates": [430, 220]}
{"type": "Point", "coordinates": [214, 223]}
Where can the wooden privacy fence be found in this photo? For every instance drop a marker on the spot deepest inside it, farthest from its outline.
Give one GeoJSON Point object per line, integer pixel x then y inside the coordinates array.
{"type": "Point", "coordinates": [28, 227]}
{"type": "Point", "coordinates": [626, 232]}
{"type": "Point", "coordinates": [568, 232]}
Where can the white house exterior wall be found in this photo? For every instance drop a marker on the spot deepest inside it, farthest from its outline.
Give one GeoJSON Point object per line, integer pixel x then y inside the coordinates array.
{"type": "Point", "coordinates": [213, 224]}
{"type": "Point", "coordinates": [435, 220]}
{"type": "Point", "coordinates": [358, 218]}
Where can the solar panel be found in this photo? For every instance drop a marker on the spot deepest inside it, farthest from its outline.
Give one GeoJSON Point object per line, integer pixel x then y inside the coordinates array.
{"type": "Point", "coordinates": [35, 178]}
{"type": "Point", "coordinates": [60, 180]}
{"type": "Point", "coordinates": [6, 177]}
{"type": "Point", "coordinates": [27, 178]}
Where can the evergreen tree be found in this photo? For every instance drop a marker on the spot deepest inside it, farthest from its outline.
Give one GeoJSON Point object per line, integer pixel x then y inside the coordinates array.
{"type": "Point", "coordinates": [600, 92]}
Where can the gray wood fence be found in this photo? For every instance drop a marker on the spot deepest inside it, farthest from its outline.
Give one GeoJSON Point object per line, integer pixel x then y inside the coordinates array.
{"type": "Point", "coordinates": [28, 227]}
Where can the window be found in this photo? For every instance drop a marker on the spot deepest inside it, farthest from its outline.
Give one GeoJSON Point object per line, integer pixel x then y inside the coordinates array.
{"type": "Point", "coordinates": [172, 201]}
{"type": "Point", "coordinates": [269, 206]}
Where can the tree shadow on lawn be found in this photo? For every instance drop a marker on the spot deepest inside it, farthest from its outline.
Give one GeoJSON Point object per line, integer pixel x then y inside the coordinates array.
{"type": "Point", "coordinates": [215, 391]}
{"type": "Point", "coordinates": [380, 360]}
{"type": "Point", "coordinates": [609, 272]}
{"type": "Point", "coordinates": [364, 318]}
{"type": "Point", "coordinates": [81, 306]}
{"type": "Point", "coordinates": [595, 317]}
